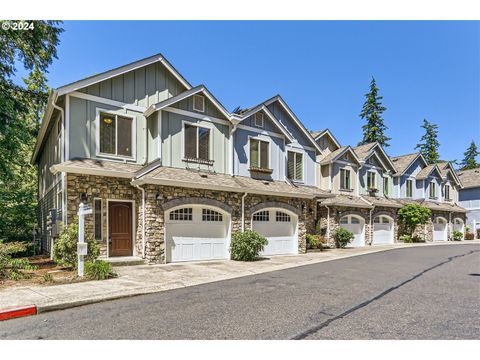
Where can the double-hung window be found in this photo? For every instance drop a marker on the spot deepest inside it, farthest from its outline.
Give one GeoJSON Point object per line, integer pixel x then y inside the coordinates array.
{"type": "Point", "coordinates": [371, 180]}
{"type": "Point", "coordinates": [116, 135]}
{"type": "Point", "coordinates": [409, 188]}
{"type": "Point", "coordinates": [386, 189]}
{"type": "Point", "coordinates": [295, 166]}
{"type": "Point", "coordinates": [447, 192]}
{"type": "Point", "coordinates": [432, 190]}
{"type": "Point", "coordinates": [259, 154]}
{"type": "Point", "coordinates": [345, 179]}
{"type": "Point", "coordinates": [197, 143]}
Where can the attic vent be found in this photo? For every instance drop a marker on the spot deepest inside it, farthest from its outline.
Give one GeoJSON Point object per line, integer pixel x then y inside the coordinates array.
{"type": "Point", "coordinates": [259, 119]}
{"type": "Point", "coordinates": [198, 103]}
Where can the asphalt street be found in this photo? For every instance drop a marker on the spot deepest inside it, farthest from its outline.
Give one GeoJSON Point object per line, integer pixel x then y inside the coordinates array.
{"type": "Point", "coordinates": [430, 292]}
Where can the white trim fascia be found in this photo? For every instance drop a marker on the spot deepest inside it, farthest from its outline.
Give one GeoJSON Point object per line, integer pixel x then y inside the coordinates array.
{"type": "Point", "coordinates": [159, 135]}
{"type": "Point", "coordinates": [98, 154]}
{"type": "Point", "coordinates": [52, 99]}
{"type": "Point", "coordinates": [419, 155]}
{"type": "Point", "coordinates": [122, 70]}
{"type": "Point", "coordinates": [272, 117]}
{"type": "Point", "coordinates": [67, 129]}
{"type": "Point", "coordinates": [377, 145]}
{"type": "Point", "coordinates": [260, 131]}
{"type": "Point", "coordinates": [296, 145]}
{"type": "Point", "coordinates": [102, 100]}
{"type": "Point", "coordinates": [134, 223]}
{"type": "Point", "coordinates": [373, 153]}
{"type": "Point", "coordinates": [88, 171]}
{"type": "Point", "coordinates": [196, 115]}
{"type": "Point", "coordinates": [297, 121]}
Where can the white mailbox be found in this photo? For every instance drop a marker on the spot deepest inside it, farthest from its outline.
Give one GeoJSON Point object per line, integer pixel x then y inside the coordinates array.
{"type": "Point", "coordinates": [82, 248]}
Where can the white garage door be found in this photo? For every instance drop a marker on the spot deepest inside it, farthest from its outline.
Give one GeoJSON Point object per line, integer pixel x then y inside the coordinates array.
{"type": "Point", "coordinates": [355, 225]}
{"type": "Point", "coordinates": [440, 229]}
{"type": "Point", "coordinates": [280, 229]}
{"type": "Point", "coordinates": [382, 230]}
{"type": "Point", "coordinates": [196, 233]}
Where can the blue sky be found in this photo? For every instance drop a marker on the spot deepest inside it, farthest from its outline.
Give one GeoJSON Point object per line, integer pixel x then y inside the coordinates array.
{"type": "Point", "coordinates": [322, 69]}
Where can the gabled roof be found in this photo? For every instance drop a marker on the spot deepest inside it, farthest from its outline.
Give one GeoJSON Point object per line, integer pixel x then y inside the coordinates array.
{"type": "Point", "coordinates": [122, 70]}
{"type": "Point", "coordinates": [447, 168]}
{"type": "Point", "coordinates": [321, 133]}
{"type": "Point", "coordinates": [426, 171]}
{"type": "Point", "coordinates": [74, 86]}
{"type": "Point", "coordinates": [347, 201]}
{"type": "Point", "coordinates": [364, 152]}
{"type": "Point", "coordinates": [402, 163]}
{"type": "Point", "coordinates": [469, 178]}
{"type": "Point", "coordinates": [282, 102]}
{"type": "Point", "coordinates": [186, 94]}
{"type": "Point", "coordinates": [261, 107]}
{"type": "Point", "coordinates": [335, 155]}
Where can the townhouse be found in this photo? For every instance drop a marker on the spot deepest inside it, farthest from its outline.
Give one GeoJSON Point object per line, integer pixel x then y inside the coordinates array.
{"type": "Point", "coordinates": [171, 174]}
{"type": "Point", "coordinates": [469, 198]}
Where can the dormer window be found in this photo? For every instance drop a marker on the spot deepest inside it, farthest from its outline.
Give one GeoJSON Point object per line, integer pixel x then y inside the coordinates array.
{"type": "Point", "coordinates": [345, 180]}
{"type": "Point", "coordinates": [447, 192]}
{"type": "Point", "coordinates": [199, 103]}
{"type": "Point", "coordinates": [371, 180]}
{"type": "Point", "coordinates": [409, 190]}
{"type": "Point", "coordinates": [115, 135]}
{"type": "Point", "coordinates": [259, 120]}
{"type": "Point", "coordinates": [433, 190]}
{"type": "Point", "coordinates": [386, 189]}
{"type": "Point", "coordinates": [295, 166]}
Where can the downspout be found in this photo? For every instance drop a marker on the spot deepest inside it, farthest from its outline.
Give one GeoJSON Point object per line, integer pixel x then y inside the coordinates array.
{"type": "Point", "coordinates": [243, 211]}
{"type": "Point", "coordinates": [143, 219]}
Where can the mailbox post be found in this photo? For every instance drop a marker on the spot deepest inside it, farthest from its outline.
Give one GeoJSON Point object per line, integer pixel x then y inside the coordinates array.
{"type": "Point", "coordinates": [82, 248]}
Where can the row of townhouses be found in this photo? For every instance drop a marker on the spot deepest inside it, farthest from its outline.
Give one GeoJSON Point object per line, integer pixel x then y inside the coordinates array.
{"type": "Point", "coordinates": [170, 173]}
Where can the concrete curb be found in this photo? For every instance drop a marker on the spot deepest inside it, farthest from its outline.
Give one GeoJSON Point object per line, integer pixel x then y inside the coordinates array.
{"type": "Point", "coordinates": [17, 312]}
{"type": "Point", "coordinates": [38, 309]}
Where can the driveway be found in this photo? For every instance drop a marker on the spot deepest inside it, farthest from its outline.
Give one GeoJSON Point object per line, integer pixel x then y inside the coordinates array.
{"type": "Point", "coordinates": [409, 293]}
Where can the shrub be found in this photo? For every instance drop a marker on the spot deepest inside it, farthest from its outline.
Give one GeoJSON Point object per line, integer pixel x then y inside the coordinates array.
{"type": "Point", "coordinates": [406, 238]}
{"type": "Point", "coordinates": [417, 239]}
{"type": "Point", "coordinates": [99, 270]}
{"type": "Point", "coordinates": [247, 245]}
{"type": "Point", "coordinates": [469, 236]}
{"type": "Point", "coordinates": [65, 247]}
{"type": "Point", "coordinates": [312, 241]}
{"type": "Point", "coordinates": [342, 237]}
{"type": "Point", "coordinates": [412, 215]}
{"type": "Point", "coordinates": [11, 268]}
{"type": "Point", "coordinates": [457, 236]}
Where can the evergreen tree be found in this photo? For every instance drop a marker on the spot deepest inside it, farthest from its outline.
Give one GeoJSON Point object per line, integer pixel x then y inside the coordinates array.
{"type": "Point", "coordinates": [21, 109]}
{"type": "Point", "coordinates": [469, 161]}
{"type": "Point", "coordinates": [374, 129]}
{"type": "Point", "coordinates": [429, 143]}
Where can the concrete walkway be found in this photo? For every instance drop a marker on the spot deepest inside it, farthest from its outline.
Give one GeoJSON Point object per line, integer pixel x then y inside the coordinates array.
{"type": "Point", "coordinates": [145, 279]}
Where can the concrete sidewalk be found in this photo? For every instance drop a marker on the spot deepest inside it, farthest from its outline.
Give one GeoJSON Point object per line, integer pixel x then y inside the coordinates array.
{"type": "Point", "coordinates": [145, 279]}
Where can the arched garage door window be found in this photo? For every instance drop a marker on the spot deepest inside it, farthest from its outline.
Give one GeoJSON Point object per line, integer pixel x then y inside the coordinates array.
{"type": "Point", "coordinates": [196, 232]}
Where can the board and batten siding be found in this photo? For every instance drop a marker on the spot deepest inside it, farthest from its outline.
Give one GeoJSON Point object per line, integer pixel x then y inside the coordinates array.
{"type": "Point", "coordinates": [173, 142]}
{"type": "Point", "coordinates": [50, 155]}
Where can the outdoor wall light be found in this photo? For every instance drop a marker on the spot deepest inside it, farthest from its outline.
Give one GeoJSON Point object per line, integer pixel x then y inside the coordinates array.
{"type": "Point", "coordinates": [157, 196]}
{"type": "Point", "coordinates": [83, 197]}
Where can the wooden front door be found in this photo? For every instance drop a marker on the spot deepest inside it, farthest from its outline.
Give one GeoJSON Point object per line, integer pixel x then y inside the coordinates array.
{"type": "Point", "coordinates": [120, 228]}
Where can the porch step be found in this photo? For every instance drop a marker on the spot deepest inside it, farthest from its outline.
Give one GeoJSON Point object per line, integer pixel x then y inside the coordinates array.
{"type": "Point", "coordinates": [125, 260]}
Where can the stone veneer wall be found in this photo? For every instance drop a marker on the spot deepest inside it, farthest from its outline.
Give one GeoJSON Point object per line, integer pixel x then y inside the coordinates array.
{"type": "Point", "coordinates": [105, 188]}
{"type": "Point", "coordinates": [120, 189]}
{"type": "Point", "coordinates": [425, 232]}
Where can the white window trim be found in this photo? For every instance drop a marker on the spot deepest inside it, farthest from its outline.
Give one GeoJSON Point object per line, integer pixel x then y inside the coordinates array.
{"type": "Point", "coordinates": [99, 154]}
{"type": "Point", "coordinates": [210, 143]}
{"type": "Point", "coordinates": [298, 151]}
{"type": "Point", "coordinates": [255, 120]}
{"type": "Point", "coordinates": [375, 185]}
{"type": "Point", "coordinates": [386, 178]}
{"type": "Point", "coordinates": [101, 218]}
{"type": "Point", "coordinates": [259, 138]}
{"type": "Point", "coordinates": [203, 103]}
{"type": "Point", "coordinates": [430, 187]}
{"type": "Point", "coordinates": [406, 188]}
{"type": "Point", "coordinates": [350, 179]}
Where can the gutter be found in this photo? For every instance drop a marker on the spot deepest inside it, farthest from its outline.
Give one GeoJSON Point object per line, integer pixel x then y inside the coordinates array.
{"type": "Point", "coordinates": [143, 219]}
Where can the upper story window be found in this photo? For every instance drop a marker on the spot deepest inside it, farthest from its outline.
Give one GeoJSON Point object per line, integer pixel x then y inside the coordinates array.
{"type": "Point", "coordinates": [409, 190]}
{"type": "Point", "coordinates": [116, 135]}
{"type": "Point", "coordinates": [198, 103]}
{"type": "Point", "coordinates": [433, 190]}
{"type": "Point", "coordinates": [196, 143]}
{"type": "Point", "coordinates": [295, 166]}
{"type": "Point", "coordinates": [386, 188]}
{"type": "Point", "coordinates": [259, 154]}
{"type": "Point", "coordinates": [345, 180]}
{"type": "Point", "coordinates": [447, 192]}
{"type": "Point", "coordinates": [371, 180]}
{"type": "Point", "coordinates": [259, 119]}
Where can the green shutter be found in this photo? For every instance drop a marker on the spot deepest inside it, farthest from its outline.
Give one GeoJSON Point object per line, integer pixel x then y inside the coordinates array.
{"type": "Point", "coordinates": [290, 165]}
{"type": "Point", "coordinates": [299, 166]}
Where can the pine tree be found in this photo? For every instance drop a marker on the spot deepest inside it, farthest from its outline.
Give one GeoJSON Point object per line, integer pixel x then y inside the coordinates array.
{"type": "Point", "coordinates": [429, 143]}
{"type": "Point", "coordinates": [469, 161]}
{"type": "Point", "coordinates": [374, 129]}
